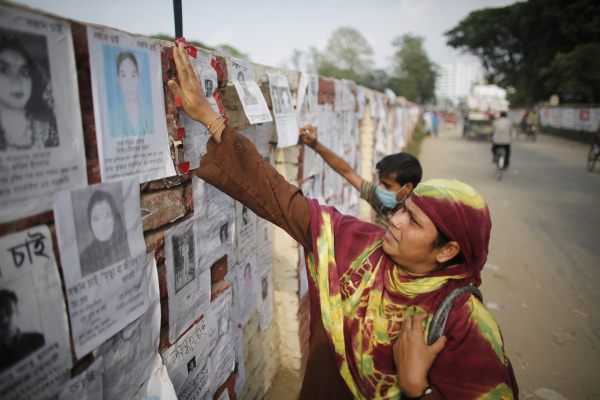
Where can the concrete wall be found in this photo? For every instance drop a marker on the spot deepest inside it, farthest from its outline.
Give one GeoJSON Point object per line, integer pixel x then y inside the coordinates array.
{"type": "Point", "coordinates": [168, 202]}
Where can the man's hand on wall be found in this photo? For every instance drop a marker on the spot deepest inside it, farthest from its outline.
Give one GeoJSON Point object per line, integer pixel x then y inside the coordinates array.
{"type": "Point", "coordinates": [308, 134]}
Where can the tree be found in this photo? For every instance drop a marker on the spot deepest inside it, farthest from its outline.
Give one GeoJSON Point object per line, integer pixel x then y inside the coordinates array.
{"type": "Point", "coordinates": [223, 48]}
{"type": "Point", "coordinates": [347, 55]}
{"type": "Point", "coordinates": [413, 73]}
{"type": "Point", "coordinates": [531, 46]}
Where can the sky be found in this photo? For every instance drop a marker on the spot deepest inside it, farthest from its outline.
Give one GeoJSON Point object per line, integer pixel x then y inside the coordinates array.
{"type": "Point", "coordinates": [268, 30]}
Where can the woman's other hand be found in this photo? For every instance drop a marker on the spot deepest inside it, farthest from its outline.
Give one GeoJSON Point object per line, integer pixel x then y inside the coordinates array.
{"type": "Point", "coordinates": [308, 134]}
{"type": "Point", "coordinates": [189, 90]}
{"type": "Point", "coordinates": [413, 357]}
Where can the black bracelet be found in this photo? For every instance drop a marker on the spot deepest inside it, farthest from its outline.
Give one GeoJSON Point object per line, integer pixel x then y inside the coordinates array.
{"type": "Point", "coordinates": [425, 393]}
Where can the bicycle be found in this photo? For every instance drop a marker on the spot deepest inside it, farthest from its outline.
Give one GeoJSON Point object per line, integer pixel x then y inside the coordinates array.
{"type": "Point", "coordinates": [593, 156]}
{"type": "Point", "coordinates": [500, 158]}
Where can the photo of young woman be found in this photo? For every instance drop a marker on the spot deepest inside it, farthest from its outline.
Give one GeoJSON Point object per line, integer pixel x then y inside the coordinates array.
{"type": "Point", "coordinates": [27, 120]}
{"type": "Point", "coordinates": [129, 115]}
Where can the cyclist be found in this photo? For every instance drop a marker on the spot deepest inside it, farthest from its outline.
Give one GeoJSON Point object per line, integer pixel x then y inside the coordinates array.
{"type": "Point", "coordinates": [502, 136]}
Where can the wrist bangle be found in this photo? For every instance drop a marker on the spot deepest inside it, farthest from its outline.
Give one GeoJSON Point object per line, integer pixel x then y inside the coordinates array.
{"type": "Point", "coordinates": [217, 130]}
{"type": "Point", "coordinates": [225, 118]}
{"type": "Point", "coordinates": [427, 391]}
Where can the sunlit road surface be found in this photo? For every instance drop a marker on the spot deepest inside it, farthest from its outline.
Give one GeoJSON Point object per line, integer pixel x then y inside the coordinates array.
{"type": "Point", "coordinates": [542, 279]}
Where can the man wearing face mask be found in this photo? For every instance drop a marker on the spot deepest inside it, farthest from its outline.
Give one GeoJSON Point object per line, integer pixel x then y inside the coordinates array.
{"type": "Point", "coordinates": [399, 174]}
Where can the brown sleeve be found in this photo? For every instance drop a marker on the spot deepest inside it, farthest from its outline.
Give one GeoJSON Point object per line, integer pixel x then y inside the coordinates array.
{"type": "Point", "coordinates": [235, 167]}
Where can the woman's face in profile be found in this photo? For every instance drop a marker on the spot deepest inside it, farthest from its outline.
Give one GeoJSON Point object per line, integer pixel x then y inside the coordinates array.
{"type": "Point", "coordinates": [102, 221]}
{"type": "Point", "coordinates": [129, 79]}
{"type": "Point", "coordinates": [15, 80]}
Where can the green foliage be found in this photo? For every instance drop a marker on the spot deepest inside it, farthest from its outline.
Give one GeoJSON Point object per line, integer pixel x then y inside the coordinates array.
{"type": "Point", "coordinates": [347, 55]}
{"type": "Point", "coordinates": [534, 47]}
{"type": "Point", "coordinates": [413, 73]}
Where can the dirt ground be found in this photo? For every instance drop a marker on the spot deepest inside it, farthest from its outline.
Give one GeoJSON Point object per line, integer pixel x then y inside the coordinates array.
{"type": "Point", "coordinates": [542, 279]}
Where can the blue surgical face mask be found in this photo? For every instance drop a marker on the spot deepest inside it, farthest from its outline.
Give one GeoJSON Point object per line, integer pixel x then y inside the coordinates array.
{"type": "Point", "coordinates": [387, 198]}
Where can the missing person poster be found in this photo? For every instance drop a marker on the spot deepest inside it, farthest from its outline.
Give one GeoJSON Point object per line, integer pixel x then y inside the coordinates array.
{"type": "Point", "coordinates": [187, 363]}
{"type": "Point", "coordinates": [252, 99]}
{"type": "Point", "coordinates": [264, 249]}
{"type": "Point", "coordinates": [129, 106]}
{"type": "Point", "coordinates": [188, 278]}
{"type": "Point", "coordinates": [215, 222]}
{"type": "Point", "coordinates": [136, 344]}
{"type": "Point", "coordinates": [35, 353]}
{"type": "Point", "coordinates": [283, 109]}
{"type": "Point", "coordinates": [245, 226]}
{"type": "Point", "coordinates": [265, 297]}
{"type": "Point", "coordinates": [41, 136]}
{"type": "Point", "coordinates": [102, 252]}
{"type": "Point", "coordinates": [86, 386]}
{"type": "Point", "coordinates": [247, 276]}
{"type": "Point", "coordinates": [194, 142]}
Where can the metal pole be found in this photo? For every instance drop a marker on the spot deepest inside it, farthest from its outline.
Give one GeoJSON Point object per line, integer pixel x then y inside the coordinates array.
{"type": "Point", "coordinates": [178, 18]}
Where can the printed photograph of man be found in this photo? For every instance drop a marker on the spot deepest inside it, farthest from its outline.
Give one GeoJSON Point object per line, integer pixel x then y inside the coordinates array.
{"type": "Point", "coordinates": [14, 344]}
{"type": "Point", "coordinates": [191, 365]}
{"type": "Point", "coordinates": [223, 234]}
{"type": "Point", "coordinates": [208, 88]}
{"type": "Point", "coordinates": [183, 259]}
{"type": "Point", "coordinates": [245, 218]}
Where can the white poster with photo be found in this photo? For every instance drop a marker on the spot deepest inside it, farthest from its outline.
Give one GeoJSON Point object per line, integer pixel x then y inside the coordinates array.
{"type": "Point", "coordinates": [86, 386]}
{"type": "Point", "coordinates": [187, 363]}
{"type": "Point", "coordinates": [159, 386]}
{"type": "Point", "coordinates": [218, 317]}
{"type": "Point", "coordinates": [215, 227]}
{"type": "Point", "coordinates": [41, 136]}
{"type": "Point", "coordinates": [260, 135]}
{"type": "Point", "coordinates": [129, 106]}
{"type": "Point", "coordinates": [188, 280]}
{"type": "Point", "coordinates": [239, 369]}
{"type": "Point", "coordinates": [265, 298]}
{"type": "Point", "coordinates": [253, 101]}
{"type": "Point", "coordinates": [221, 362]}
{"type": "Point", "coordinates": [308, 99]}
{"type": "Point", "coordinates": [247, 276]}
{"type": "Point", "coordinates": [35, 355]}
{"type": "Point", "coordinates": [194, 142]}
{"type": "Point", "coordinates": [102, 252]}
{"type": "Point", "coordinates": [136, 344]}
{"type": "Point", "coordinates": [245, 225]}
{"type": "Point", "coordinates": [283, 109]}
{"type": "Point", "coordinates": [264, 244]}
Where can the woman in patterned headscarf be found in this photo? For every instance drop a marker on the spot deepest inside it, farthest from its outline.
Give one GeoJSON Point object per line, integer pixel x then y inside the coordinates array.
{"type": "Point", "coordinates": [370, 289]}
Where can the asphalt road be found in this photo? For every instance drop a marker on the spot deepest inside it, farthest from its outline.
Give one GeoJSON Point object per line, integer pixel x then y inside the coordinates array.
{"type": "Point", "coordinates": [542, 279]}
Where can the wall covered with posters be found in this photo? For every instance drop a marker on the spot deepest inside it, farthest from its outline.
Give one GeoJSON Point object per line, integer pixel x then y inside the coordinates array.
{"type": "Point", "coordinates": [121, 274]}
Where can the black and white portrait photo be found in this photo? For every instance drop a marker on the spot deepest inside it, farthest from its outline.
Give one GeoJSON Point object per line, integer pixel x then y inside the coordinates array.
{"type": "Point", "coordinates": [208, 88]}
{"type": "Point", "coordinates": [100, 226]}
{"type": "Point", "coordinates": [15, 343]}
{"type": "Point", "coordinates": [191, 365]}
{"type": "Point", "coordinates": [245, 218]}
{"type": "Point", "coordinates": [287, 107]}
{"type": "Point", "coordinates": [27, 119]}
{"type": "Point", "coordinates": [223, 233]}
{"type": "Point", "coordinates": [183, 258]}
{"type": "Point", "coordinates": [276, 100]}
{"type": "Point", "coordinates": [248, 98]}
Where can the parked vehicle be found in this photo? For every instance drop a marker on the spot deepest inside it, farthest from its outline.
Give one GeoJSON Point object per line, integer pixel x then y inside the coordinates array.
{"type": "Point", "coordinates": [484, 104]}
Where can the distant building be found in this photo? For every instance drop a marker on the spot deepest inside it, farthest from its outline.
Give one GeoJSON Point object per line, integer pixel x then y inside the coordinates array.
{"type": "Point", "coordinates": [454, 82]}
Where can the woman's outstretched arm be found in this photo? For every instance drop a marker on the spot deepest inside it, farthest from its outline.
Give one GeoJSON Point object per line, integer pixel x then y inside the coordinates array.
{"type": "Point", "coordinates": [233, 165]}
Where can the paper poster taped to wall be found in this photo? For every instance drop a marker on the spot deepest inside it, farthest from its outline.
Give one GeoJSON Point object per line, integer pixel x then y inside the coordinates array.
{"type": "Point", "coordinates": [187, 363]}
{"type": "Point", "coordinates": [86, 386]}
{"type": "Point", "coordinates": [188, 279]}
{"type": "Point", "coordinates": [265, 297]}
{"type": "Point", "coordinates": [215, 222]}
{"type": "Point", "coordinates": [264, 249]}
{"type": "Point", "coordinates": [253, 101]}
{"type": "Point", "coordinates": [221, 362]}
{"type": "Point", "coordinates": [35, 355]}
{"type": "Point", "coordinates": [41, 137]}
{"type": "Point", "coordinates": [102, 251]}
{"type": "Point", "coordinates": [239, 369]}
{"type": "Point", "coordinates": [136, 344]}
{"type": "Point", "coordinates": [159, 386]}
{"type": "Point", "coordinates": [308, 100]}
{"type": "Point", "coordinates": [245, 230]}
{"type": "Point", "coordinates": [260, 135]}
{"type": "Point", "coordinates": [246, 288]}
{"type": "Point", "coordinates": [129, 106]}
{"type": "Point", "coordinates": [283, 109]}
